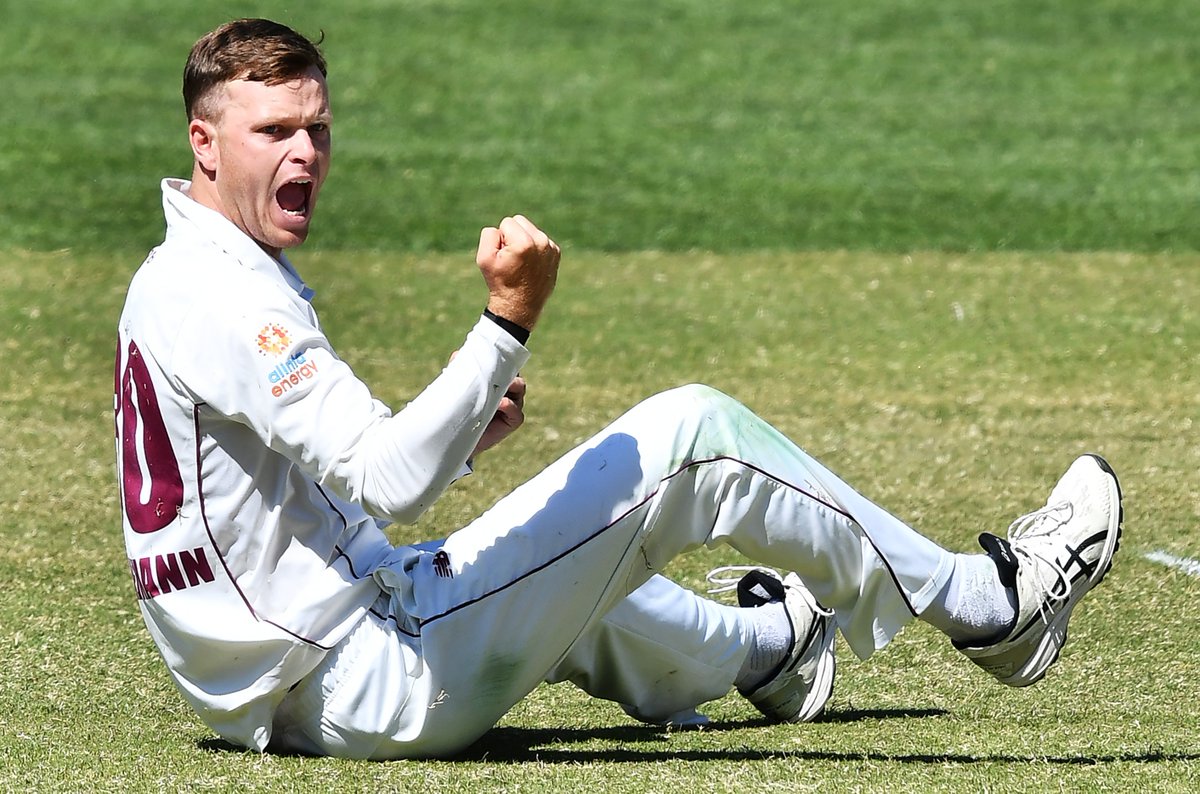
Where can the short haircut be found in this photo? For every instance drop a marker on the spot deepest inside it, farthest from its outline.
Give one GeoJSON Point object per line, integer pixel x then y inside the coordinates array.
{"type": "Point", "coordinates": [258, 50]}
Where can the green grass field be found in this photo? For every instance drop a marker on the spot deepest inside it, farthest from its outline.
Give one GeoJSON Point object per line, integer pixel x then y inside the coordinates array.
{"type": "Point", "coordinates": [946, 248]}
{"type": "Point", "coordinates": [626, 125]}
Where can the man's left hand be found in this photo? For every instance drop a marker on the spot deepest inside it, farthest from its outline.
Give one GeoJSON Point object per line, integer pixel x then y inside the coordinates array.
{"type": "Point", "coordinates": [508, 417]}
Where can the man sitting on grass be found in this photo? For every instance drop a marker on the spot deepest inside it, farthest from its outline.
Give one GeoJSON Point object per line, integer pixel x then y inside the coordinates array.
{"type": "Point", "coordinates": [257, 471]}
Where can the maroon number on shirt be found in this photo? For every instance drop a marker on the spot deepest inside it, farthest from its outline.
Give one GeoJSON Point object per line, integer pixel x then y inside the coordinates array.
{"type": "Point", "coordinates": [138, 418]}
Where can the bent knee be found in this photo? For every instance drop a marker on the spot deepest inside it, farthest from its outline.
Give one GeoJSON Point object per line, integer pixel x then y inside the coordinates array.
{"type": "Point", "coordinates": [686, 410]}
{"type": "Point", "coordinates": [690, 397]}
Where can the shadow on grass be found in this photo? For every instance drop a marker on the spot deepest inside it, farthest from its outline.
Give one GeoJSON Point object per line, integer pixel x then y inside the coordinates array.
{"type": "Point", "coordinates": [513, 745]}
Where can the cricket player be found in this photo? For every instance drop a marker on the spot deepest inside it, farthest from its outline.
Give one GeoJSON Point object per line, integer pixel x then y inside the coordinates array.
{"type": "Point", "coordinates": [256, 472]}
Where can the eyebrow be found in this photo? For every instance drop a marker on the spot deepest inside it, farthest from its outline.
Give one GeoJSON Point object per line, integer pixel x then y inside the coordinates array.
{"type": "Point", "coordinates": [289, 119]}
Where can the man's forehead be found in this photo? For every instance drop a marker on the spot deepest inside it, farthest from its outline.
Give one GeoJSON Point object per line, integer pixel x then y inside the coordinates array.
{"type": "Point", "coordinates": [256, 96]}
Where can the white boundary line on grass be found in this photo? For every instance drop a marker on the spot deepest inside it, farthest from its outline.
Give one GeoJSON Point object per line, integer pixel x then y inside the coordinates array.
{"type": "Point", "coordinates": [1189, 566]}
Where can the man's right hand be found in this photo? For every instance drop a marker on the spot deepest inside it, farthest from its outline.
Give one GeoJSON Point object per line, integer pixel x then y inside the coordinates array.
{"type": "Point", "coordinates": [520, 265]}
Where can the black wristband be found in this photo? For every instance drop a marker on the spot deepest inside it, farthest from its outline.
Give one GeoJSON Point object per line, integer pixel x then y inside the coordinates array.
{"type": "Point", "coordinates": [514, 330]}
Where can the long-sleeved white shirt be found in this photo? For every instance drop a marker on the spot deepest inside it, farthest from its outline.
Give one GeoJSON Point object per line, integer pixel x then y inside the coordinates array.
{"type": "Point", "coordinates": [253, 464]}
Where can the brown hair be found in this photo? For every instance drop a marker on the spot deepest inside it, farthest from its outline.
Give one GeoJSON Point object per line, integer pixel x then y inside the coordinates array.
{"type": "Point", "coordinates": [258, 50]}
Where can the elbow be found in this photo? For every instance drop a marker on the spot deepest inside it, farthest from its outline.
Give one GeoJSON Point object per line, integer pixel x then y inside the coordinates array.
{"type": "Point", "coordinates": [405, 512]}
{"type": "Point", "coordinates": [401, 496]}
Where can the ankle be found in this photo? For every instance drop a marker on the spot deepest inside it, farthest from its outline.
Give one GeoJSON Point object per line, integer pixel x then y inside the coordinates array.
{"type": "Point", "coordinates": [974, 606]}
{"type": "Point", "coordinates": [770, 644]}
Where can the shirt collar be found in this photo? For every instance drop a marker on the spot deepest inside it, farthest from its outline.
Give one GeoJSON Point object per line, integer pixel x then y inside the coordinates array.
{"type": "Point", "coordinates": [185, 216]}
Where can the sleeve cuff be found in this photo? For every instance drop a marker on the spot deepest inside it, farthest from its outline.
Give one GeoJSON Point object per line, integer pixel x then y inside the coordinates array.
{"type": "Point", "coordinates": [520, 333]}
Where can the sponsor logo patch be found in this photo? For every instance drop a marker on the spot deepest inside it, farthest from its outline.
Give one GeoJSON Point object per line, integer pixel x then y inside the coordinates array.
{"type": "Point", "coordinates": [273, 340]}
{"type": "Point", "coordinates": [291, 373]}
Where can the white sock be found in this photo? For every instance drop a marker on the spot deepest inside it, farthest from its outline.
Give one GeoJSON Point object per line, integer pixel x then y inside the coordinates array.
{"type": "Point", "coordinates": [771, 643]}
{"type": "Point", "coordinates": [973, 607]}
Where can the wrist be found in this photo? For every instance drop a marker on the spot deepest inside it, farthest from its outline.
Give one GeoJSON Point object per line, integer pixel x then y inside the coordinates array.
{"type": "Point", "coordinates": [514, 329]}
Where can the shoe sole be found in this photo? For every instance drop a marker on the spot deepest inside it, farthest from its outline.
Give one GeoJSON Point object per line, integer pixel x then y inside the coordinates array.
{"type": "Point", "coordinates": [822, 687]}
{"type": "Point", "coordinates": [1103, 464]}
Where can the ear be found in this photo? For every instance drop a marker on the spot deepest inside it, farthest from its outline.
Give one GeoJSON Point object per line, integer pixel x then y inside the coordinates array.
{"type": "Point", "coordinates": [203, 137]}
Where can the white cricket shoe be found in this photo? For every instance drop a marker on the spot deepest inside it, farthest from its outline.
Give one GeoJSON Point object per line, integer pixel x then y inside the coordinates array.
{"type": "Point", "coordinates": [1052, 557]}
{"type": "Point", "coordinates": [801, 687]}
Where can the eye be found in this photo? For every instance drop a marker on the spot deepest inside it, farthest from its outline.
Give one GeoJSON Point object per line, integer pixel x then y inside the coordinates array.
{"type": "Point", "coordinates": [320, 128]}
{"type": "Point", "coordinates": [271, 129]}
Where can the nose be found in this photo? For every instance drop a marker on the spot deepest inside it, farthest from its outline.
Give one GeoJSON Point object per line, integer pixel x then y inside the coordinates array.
{"type": "Point", "coordinates": [304, 148]}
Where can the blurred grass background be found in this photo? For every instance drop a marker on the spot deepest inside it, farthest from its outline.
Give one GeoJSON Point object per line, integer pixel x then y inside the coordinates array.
{"type": "Point", "coordinates": [626, 125]}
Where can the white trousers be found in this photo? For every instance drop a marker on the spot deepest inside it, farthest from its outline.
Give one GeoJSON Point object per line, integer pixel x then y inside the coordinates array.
{"type": "Point", "coordinates": [557, 582]}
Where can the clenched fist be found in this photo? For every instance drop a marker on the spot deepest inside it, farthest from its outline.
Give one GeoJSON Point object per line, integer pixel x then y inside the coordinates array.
{"type": "Point", "coordinates": [519, 262]}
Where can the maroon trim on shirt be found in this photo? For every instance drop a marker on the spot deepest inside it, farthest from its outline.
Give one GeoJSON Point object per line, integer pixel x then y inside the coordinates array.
{"type": "Point", "coordinates": [216, 550]}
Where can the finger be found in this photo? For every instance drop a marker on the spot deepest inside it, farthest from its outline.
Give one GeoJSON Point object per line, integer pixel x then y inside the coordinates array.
{"type": "Point", "coordinates": [515, 234]}
{"type": "Point", "coordinates": [490, 242]}
{"type": "Point", "coordinates": [516, 391]}
{"type": "Point", "coordinates": [540, 239]}
{"type": "Point", "coordinates": [510, 413]}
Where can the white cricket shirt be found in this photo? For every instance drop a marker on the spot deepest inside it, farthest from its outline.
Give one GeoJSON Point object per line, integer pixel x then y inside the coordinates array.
{"type": "Point", "coordinates": [253, 462]}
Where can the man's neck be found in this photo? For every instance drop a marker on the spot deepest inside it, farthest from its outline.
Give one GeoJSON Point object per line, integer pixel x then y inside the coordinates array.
{"type": "Point", "coordinates": [204, 192]}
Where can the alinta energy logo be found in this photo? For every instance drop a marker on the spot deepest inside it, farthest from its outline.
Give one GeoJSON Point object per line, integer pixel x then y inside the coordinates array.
{"type": "Point", "coordinates": [273, 340]}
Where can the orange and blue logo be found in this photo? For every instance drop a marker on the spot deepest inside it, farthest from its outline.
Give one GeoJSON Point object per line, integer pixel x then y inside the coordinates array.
{"type": "Point", "coordinates": [273, 340]}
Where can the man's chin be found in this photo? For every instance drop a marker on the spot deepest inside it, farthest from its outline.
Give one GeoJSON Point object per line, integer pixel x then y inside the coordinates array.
{"type": "Point", "coordinates": [282, 239]}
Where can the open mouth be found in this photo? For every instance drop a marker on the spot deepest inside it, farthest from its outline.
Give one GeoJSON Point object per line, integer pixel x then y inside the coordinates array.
{"type": "Point", "coordinates": [294, 197]}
